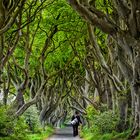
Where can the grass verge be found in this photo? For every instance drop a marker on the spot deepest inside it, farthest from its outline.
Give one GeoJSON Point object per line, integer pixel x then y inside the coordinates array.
{"type": "Point", "coordinates": [87, 135]}
{"type": "Point", "coordinates": [43, 135]}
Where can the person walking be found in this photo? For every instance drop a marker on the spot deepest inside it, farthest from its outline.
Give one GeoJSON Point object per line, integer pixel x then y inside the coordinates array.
{"type": "Point", "coordinates": [75, 121]}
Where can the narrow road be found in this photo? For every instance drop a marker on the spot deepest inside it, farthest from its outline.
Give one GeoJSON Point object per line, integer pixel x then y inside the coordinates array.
{"type": "Point", "coordinates": [64, 134]}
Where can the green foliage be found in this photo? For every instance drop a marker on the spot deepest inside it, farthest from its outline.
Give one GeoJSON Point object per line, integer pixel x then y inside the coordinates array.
{"type": "Point", "coordinates": [10, 128]}
{"type": "Point", "coordinates": [31, 117]}
{"type": "Point", "coordinates": [106, 121]}
{"type": "Point", "coordinates": [102, 125]}
{"type": "Point", "coordinates": [91, 111]}
{"type": "Point", "coordinates": [124, 135]}
{"type": "Point", "coordinates": [38, 136]}
{"type": "Point", "coordinates": [5, 123]}
{"type": "Point", "coordinates": [104, 6]}
{"type": "Point", "coordinates": [87, 134]}
{"type": "Point", "coordinates": [35, 130]}
{"type": "Point", "coordinates": [18, 129]}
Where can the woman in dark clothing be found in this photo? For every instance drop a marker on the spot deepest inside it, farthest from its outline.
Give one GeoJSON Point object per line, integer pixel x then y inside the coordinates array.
{"type": "Point", "coordinates": [75, 125]}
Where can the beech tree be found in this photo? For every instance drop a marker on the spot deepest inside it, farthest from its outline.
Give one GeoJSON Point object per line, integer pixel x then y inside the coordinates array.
{"type": "Point", "coordinates": [62, 59]}
{"type": "Point", "coordinates": [120, 21]}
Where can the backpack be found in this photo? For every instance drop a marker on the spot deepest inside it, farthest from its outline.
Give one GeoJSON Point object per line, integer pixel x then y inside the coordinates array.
{"type": "Point", "coordinates": [75, 121]}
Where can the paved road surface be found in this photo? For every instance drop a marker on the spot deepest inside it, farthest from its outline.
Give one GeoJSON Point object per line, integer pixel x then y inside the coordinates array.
{"type": "Point", "coordinates": [64, 134]}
